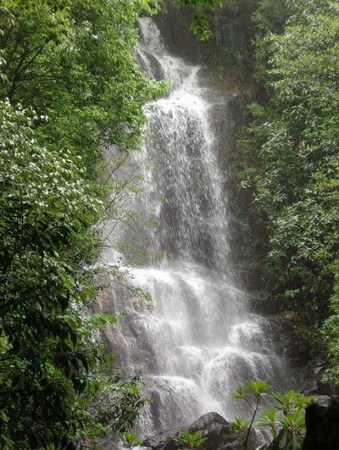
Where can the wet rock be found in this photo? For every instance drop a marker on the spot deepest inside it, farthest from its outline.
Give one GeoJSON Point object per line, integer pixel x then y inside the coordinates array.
{"type": "Point", "coordinates": [219, 433]}
{"type": "Point", "coordinates": [322, 419]}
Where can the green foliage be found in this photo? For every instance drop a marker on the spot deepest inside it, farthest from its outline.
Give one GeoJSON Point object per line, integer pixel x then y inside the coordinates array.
{"type": "Point", "coordinates": [296, 139]}
{"type": "Point", "coordinates": [117, 404]}
{"type": "Point", "coordinates": [330, 332]}
{"type": "Point", "coordinates": [75, 64]}
{"type": "Point", "coordinates": [130, 440]}
{"type": "Point", "coordinates": [285, 420]}
{"type": "Point", "coordinates": [271, 16]}
{"type": "Point", "coordinates": [190, 439]}
{"type": "Point", "coordinates": [68, 80]}
{"type": "Point", "coordinates": [200, 25]}
{"type": "Point", "coordinates": [268, 419]}
{"type": "Point", "coordinates": [46, 210]}
{"type": "Point", "coordinates": [240, 425]}
{"type": "Point", "coordinates": [252, 392]}
{"type": "Point", "coordinates": [50, 364]}
{"type": "Point", "coordinates": [291, 401]}
{"type": "Point", "coordinates": [252, 388]}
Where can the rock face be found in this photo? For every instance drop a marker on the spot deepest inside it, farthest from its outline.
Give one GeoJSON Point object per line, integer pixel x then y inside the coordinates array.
{"type": "Point", "coordinates": [219, 433]}
{"type": "Point", "coordinates": [322, 424]}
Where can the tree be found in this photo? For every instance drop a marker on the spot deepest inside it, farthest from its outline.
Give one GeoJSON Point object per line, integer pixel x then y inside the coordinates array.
{"type": "Point", "coordinates": [285, 420]}
{"type": "Point", "coordinates": [46, 210]}
{"type": "Point", "coordinates": [73, 62]}
{"type": "Point", "coordinates": [330, 332]}
{"type": "Point", "coordinates": [252, 392]}
{"type": "Point", "coordinates": [200, 25]}
{"type": "Point", "coordinates": [297, 134]}
{"type": "Point", "coordinates": [69, 80]}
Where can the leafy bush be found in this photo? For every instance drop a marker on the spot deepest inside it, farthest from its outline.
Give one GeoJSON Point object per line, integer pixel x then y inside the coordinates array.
{"type": "Point", "coordinates": [190, 439]}
{"type": "Point", "coordinates": [68, 78]}
{"type": "Point", "coordinates": [285, 419]}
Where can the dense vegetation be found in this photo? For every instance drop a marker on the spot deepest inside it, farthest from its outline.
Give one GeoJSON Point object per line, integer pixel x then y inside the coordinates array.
{"type": "Point", "coordinates": [294, 132]}
{"type": "Point", "coordinates": [68, 80]}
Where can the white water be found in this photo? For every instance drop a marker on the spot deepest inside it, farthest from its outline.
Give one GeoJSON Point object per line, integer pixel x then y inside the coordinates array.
{"type": "Point", "coordinates": [199, 341]}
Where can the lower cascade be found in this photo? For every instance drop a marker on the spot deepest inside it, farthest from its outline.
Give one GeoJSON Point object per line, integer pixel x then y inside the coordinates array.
{"type": "Point", "coordinates": [197, 340]}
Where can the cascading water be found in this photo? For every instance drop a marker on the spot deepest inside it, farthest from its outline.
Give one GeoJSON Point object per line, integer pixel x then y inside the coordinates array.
{"type": "Point", "coordinates": [200, 341]}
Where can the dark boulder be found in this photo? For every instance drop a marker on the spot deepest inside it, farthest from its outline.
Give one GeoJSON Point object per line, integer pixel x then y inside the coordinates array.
{"type": "Point", "coordinates": [219, 433]}
{"type": "Point", "coordinates": [322, 424]}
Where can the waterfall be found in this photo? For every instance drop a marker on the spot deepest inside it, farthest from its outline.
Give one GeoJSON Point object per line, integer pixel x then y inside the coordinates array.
{"type": "Point", "coordinates": [197, 340]}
